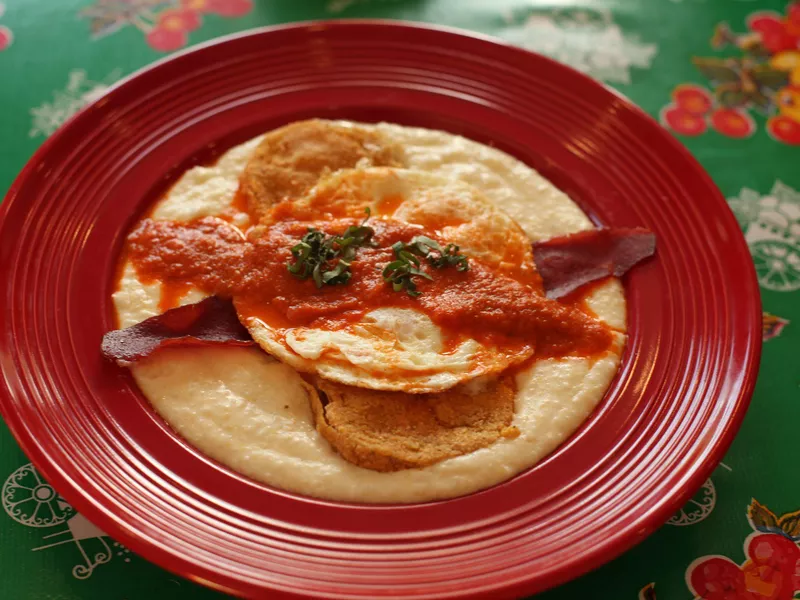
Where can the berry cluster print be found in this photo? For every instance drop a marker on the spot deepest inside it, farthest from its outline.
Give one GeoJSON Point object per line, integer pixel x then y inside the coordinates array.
{"type": "Point", "coordinates": [758, 74]}
{"type": "Point", "coordinates": [770, 571]}
{"type": "Point", "coordinates": [166, 24]}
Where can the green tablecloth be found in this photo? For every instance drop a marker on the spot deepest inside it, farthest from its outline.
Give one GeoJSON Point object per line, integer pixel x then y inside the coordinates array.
{"type": "Point", "coordinates": [723, 75]}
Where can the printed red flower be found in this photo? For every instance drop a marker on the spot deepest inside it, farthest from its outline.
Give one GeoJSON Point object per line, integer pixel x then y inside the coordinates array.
{"type": "Point", "coordinates": [778, 33]}
{"type": "Point", "coordinates": [683, 122]}
{"type": "Point", "coordinates": [165, 40]}
{"type": "Point", "coordinates": [793, 14]}
{"type": "Point", "coordinates": [6, 37]}
{"type": "Point", "coordinates": [693, 99]}
{"type": "Point", "coordinates": [224, 8]}
{"type": "Point", "coordinates": [733, 123]}
{"type": "Point", "coordinates": [718, 578]}
{"type": "Point", "coordinates": [770, 573]}
{"type": "Point", "coordinates": [170, 32]}
{"type": "Point", "coordinates": [179, 19]}
{"type": "Point", "coordinates": [784, 130]}
{"type": "Point", "coordinates": [765, 22]}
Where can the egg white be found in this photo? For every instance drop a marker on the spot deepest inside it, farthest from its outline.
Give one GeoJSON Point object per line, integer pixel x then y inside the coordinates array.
{"type": "Point", "coordinates": [402, 349]}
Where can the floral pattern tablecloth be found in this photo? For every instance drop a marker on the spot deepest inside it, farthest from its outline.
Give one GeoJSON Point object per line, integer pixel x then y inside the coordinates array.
{"type": "Point", "coordinates": [722, 75]}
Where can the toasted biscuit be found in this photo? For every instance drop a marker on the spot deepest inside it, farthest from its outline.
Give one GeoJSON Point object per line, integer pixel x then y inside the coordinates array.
{"type": "Point", "coordinates": [289, 161]}
{"type": "Point", "coordinates": [391, 431]}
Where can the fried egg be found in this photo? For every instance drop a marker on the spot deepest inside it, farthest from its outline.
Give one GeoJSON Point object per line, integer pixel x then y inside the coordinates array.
{"type": "Point", "coordinates": [402, 349]}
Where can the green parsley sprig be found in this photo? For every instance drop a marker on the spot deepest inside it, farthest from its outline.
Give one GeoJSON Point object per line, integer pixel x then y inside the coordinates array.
{"type": "Point", "coordinates": [400, 272]}
{"type": "Point", "coordinates": [314, 256]}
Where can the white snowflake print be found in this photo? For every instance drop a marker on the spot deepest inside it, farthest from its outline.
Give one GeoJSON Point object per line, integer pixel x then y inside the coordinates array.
{"type": "Point", "coordinates": [78, 92]}
{"type": "Point", "coordinates": [771, 225]}
{"type": "Point", "coordinates": [589, 41]}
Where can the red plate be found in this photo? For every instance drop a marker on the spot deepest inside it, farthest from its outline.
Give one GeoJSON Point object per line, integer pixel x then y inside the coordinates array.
{"type": "Point", "coordinates": [672, 411]}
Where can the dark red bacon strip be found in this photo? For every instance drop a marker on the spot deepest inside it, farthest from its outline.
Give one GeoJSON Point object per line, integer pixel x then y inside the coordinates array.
{"type": "Point", "coordinates": [571, 261]}
{"type": "Point", "coordinates": [210, 322]}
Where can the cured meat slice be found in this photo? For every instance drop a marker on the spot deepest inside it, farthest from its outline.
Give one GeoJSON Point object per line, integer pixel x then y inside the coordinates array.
{"type": "Point", "coordinates": [568, 262]}
{"type": "Point", "coordinates": [212, 321]}
{"type": "Point", "coordinates": [391, 431]}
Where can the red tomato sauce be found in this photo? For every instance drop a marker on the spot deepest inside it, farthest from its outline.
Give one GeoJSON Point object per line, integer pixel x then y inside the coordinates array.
{"type": "Point", "coordinates": [492, 307]}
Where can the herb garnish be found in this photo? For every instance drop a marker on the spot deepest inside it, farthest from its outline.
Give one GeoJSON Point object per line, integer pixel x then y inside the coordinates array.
{"type": "Point", "coordinates": [314, 255]}
{"type": "Point", "coordinates": [400, 272]}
